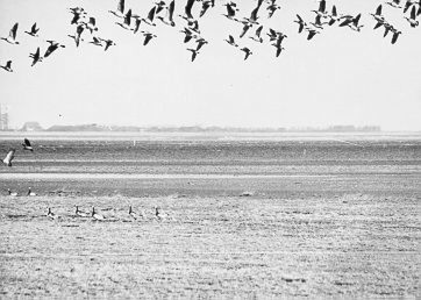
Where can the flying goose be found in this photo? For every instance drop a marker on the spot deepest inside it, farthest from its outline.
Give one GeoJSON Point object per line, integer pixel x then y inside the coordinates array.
{"type": "Point", "coordinates": [279, 48]}
{"type": "Point", "coordinates": [200, 43]}
{"type": "Point", "coordinates": [11, 39]}
{"type": "Point", "coordinates": [34, 30]}
{"type": "Point", "coordinates": [36, 57]}
{"type": "Point", "coordinates": [301, 24]}
{"type": "Point", "coordinates": [30, 192]}
{"type": "Point", "coordinates": [322, 9]}
{"type": "Point", "coordinates": [231, 41]}
{"type": "Point", "coordinates": [258, 35]}
{"type": "Point", "coordinates": [412, 19]}
{"type": "Point", "coordinates": [148, 37]}
{"type": "Point", "coordinates": [160, 214]}
{"type": "Point", "coordinates": [27, 145]}
{"type": "Point", "coordinates": [151, 17]}
{"type": "Point", "coordinates": [108, 43]}
{"type": "Point", "coordinates": [231, 10]}
{"type": "Point", "coordinates": [247, 52]}
{"type": "Point", "coordinates": [12, 194]}
{"type": "Point", "coordinates": [333, 16]}
{"type": "Point", "coordinates": [96, 216]}
{"type": "Point", "coordinates": [7, 66]}
{"type": "Point", "coordinates": [188, 9]}
{"type": "Point", "coordinates": [119, 12]}
{"type": "Point", "coordinates": [395, 36]}
{"type": "Point", "coordinates": [206, 4]}
{"type": "Point", "coordinates": [311, 33]}
{"type": "Point", "coordinates": [9, 157]}
{"type": "Point", "coordinates": [272, 8]}
{"type": "Point", "coordinates": [53, 47]}
{"type": "Point", "coordinates": [126, 20]}
{"type": "Point", "coordinates": [394, 3]}
{"type": "Point", "coordinates": [194, 52]}
{"type": "Point", "coordinates": [96, 41]}
{"type": "Point", "coordinates": [188, 34]}
{"type": "Point", "coordinates": [51, 215]}
{"type": "Point", "coordinates": [169, 15]}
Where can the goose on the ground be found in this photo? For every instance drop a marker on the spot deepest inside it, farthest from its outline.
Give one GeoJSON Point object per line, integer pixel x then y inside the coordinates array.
{"type": "Point", "coordinates": [12, 194]}
{"type": "Point", "coordinates": [27, 145]}
{"type": "Point", "coordinates": [148, 37]}
{"type": "Point", "coordinates": [9, 157]}
{"type": "Point", "coordinates": [96, 216]}
{"type": "Point", "coordinates": [30, 192]}
{"type": "Point", "coordinates": [160, 215]}
{"type": "Point", "coordinates": [81, 213]}
{"type": "Point", "coordinates": [7, 66]}
{"type": "Point", "coordinates": [51, 215]}
{"type": "Point", "coordinates": [11, 38]}
{"type": "Point", "coordinates": [133, 214]}
{"type": "Point", "coordinates": [34, 30]}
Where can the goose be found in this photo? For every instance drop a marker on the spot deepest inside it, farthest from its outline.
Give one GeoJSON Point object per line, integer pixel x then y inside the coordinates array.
{"type": "Point", "coordinates": [194, 52]}
{"type": "Point", "coordinates": [311, 33]}
{"type": "Point", "coordinates": [151, 17]}
{"type": "Point", "coordinates": [80, 213]}
{"type": "Point", "coordinates": [9, 157]}
{"type": "Point", "coordinates": [96, 41]}
{"type": "Point", "coordinates": [7, 66]}
{"type": "Point", "coordinates": [77, 17]}
{"type": "Point", "coordinates": [352, 22]}
{"type": "Point", "coordinates": [34, 30]}
{"type": "Point", "coordinates": [119, 12]}
{"type": "Point", "coordinates": [272, 8]}
{"type": "Point", "coordinates": [301, 23]}
{"type": "Point", "coordinates": [387, 27]}
{"type": "Point", "coordinates": [188, 34]}
{"type": "Point", "coordinates": [11, 39]}
{"type": "Point", "coordinates": [159, 6]}
{"type": "Point", "coordinates": [36, 57]}
{"type": "Point", "coordinates": [395, 36]}
{"type": "Point", "coordinates": [206, 4]}
{"type": "Point", "coordinates": [394, 3]}
{"type": "Point", "coordinates": [148, 37]}
{"type": "Point", "coordinates": [322, 9]}
{"type": "Point", "coordinates": [231, 10]}
{"type": "Point", "coordinates": [51, 215]}
{"type": "Point", "coordinates": [200, 43]}
{"type": "Point", "coordinates": [27, 145]}
{"type": "Point", "coordinates": [412, 19]}
{"type": "Point", "coordinates": [247, 52]}
{"type": "Point", "coordinates": [410, 3]}
{"type": "Point", "coordinates": [53, 47]}
{"type": "Point", "coordinates": [96, 216]}
{"type": "Point", "coordinates": [132, 214]}
{"type": "Point", "coordinates": [12, 194]}
{"type": "Point", "coordinates": [91, 25]}
{"type": "Point", "coordinates": [77, 9]}
{"type": "Point", "coordinates": [378, 14]}
{"type": "Point", "coordinates": [231, 41]}
{"type": "Point", "coordinates": [169, 15]}
{"type": "Point", "coordinates": [258, 35]}
{"type": "Point", "coordinates": [246, 28]}
{"type": "Point", "coordinates": [126, 20]}
{"type": "Point", "coordinates": [160, 214]}
{"type": "Point", "coordinates": [279, 48]}
{"type": "Point", "coordinates": [31, 193]}
{"type": "Point", "coordinates": [108, 44]}
{"type": "Point", "coordinates": [188, 8]}
{"type": "Point", "coordinates": [333, 16]}
{"type": "Point", "coordinates": [253, 16]}
{"type": "Point", "coordinates": [318, 22]}
{"type": "Point", "coordinates": [138, 22]}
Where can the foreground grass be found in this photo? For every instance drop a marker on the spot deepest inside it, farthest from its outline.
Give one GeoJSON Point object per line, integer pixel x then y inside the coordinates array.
{"type": "Point", "coordinates": [239, 247]}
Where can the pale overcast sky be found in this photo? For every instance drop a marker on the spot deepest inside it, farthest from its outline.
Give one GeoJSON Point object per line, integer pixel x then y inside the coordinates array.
{"type": "Point", "coordinates": [340, 77]}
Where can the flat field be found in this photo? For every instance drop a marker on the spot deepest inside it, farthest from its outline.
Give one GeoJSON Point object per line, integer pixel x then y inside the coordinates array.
{"type": "Point", "coordinates": [287, 217]}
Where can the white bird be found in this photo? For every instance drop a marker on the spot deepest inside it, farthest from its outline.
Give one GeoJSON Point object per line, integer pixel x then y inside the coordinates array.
{"type": "Point", "coordinates": [11, 39]}
{"type": "Point", "coordinates": [96, 216]}
{"type": "Point", "coordinates": [31, 193]}
{"type": "Point", "coordinates": [12, 194]}
{"type": "Point", "coordinates": [9, 157]}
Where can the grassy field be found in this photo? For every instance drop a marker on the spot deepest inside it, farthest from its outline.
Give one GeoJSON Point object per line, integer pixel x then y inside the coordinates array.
{"type": "Point", "coordinates": [329, 218]}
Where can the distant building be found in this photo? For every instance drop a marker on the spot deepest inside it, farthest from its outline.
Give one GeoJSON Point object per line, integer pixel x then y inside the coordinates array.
{"type": "Point", "coordinates": [4, 117]}
{"type": "Point", "coordinates": [32, 126]}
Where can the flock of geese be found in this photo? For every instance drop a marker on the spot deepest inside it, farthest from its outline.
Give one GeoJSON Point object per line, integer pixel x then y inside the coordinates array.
{"type": "Point", "coordinates": [164, 13]}
{"type": "Point", "coordinates": [160, 215]}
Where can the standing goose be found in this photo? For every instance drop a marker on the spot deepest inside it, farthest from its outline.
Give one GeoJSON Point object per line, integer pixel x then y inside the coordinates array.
{"type": "Point", "coordinates": [272, 8]}
{"type": "Point", "coordinates": [27, 145]}
{"type": "Point", "coordinates": [31, 193]}
{"type": "Point", "coordinates": [311, 33]}
{"type": "Point", "coordinates": [96, 216]}
{"type": "Point", "coordinates": [80, 213]}
{"type": "Point", "coordinates": [12, 194]}
{"type": "Point", "coordinates": [11, 39]}
{"type": "Point", "coordinates": [34, 30]}
{"type": "Point", "coordinates": [231, 10]}
{"type": "Point", "coordinates": [51, 215]}
{"type": "Point", "coordinates": [258, 35]}
{"type": "Point", "coordinates": [96, 41]}
{"type": "Point", "coordinates": [132, 214]}
{"type": "Point", "coordinates": [36, 57]}
{"type": "Point", "coordinates": [53, 47]}
{"type": "Point", "coordinates": [9, 157]}
{"type": "Point", "coordinates": [7, 66]}
{"type": "Point", "coordinates": [394, 3]}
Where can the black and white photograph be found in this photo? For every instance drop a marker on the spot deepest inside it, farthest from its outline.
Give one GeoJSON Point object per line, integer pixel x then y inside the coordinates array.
{"type": "Point", "coordinates": [210, 149]}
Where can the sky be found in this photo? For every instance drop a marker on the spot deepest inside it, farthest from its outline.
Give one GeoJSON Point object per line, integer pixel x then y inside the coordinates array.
{"type": "Point", "coordinates": [339, 77]}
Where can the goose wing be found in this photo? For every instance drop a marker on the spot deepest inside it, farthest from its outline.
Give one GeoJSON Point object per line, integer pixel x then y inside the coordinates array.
{"type": "Point", "coordinates": [188, 8]}
{"type": "Point", "coordinates": [14, 30]}
{"type": "Point", "coordinates": [120, 6]}
{"type": "Point", "coordinates": [27, 143]}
